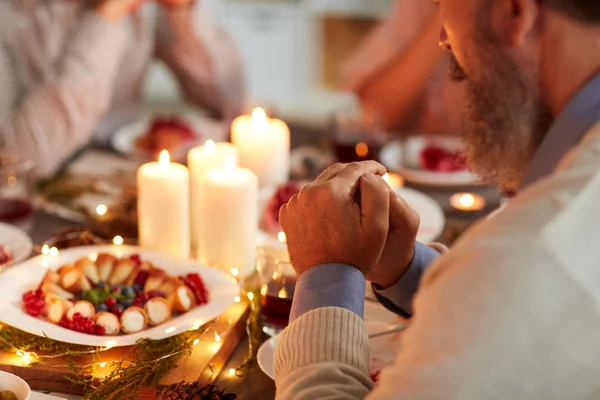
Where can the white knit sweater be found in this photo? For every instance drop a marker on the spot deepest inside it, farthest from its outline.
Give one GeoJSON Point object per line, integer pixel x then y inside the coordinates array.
{"type": "Point", "coordinates": [67, 74]}
{"type": "Point", "coordinates": [511, 312]}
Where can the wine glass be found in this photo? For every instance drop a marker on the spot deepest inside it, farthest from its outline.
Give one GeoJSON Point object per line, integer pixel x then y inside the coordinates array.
{"type": "Point", "coordinates": [16, 190]}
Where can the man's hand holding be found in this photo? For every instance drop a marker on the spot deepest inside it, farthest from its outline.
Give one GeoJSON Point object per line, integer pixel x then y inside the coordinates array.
{"type": "Point", "coordinates": [342, 217]}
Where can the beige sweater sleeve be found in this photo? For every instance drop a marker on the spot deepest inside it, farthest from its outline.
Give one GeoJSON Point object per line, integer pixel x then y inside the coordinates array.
{"type": "Point", "coordinates": [56, 117]}
{"type": "Point", "coordinates": [204, 59]}
{"type": "Point", "coordinates": [467, 340]}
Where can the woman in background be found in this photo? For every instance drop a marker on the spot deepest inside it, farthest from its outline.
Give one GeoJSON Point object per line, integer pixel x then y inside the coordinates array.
{"type": "Point", "coordinates": [72, 71]}
{"type": "Point", "coordinates": [401, 74]}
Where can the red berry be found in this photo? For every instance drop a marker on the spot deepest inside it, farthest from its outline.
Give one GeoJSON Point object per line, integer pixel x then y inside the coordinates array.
{"type": "Point", "coordinates": [117, 310]}
{"type": "Point", "coordinates": [155, 293]}
{"type": "Point", "coordinates": [141, 278]}
{"type": "Point", "coordinates": [137, 260]}
{"type": "Point", "coordinates": [99, 330]}
{"type": "Point", "coordinates": [111, 301]}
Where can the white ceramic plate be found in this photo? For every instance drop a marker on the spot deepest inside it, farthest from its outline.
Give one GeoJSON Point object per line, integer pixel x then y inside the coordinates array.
{"type": "Point", "coordinates": [432, 216]}
{"type": "Point", "coordinates": [17, 242]}
{"type": "Point", "coordinates": [403, 157]}
{"type": "Point", "coordinates": [16, 385]}
{"type": "Point", "coordinates": [123, 140]}
{"type": "Point", "coordinates": [27, 275]}
{"type": "Point", "coordinates": [383, 349]}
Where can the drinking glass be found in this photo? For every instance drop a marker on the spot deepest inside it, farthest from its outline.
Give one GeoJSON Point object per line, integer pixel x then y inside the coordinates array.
{"type": "Point", "coordinates": [357, 135]}
{"type": "Point", "coordinates": [16, 190]}
{"type": "Point", "coordinates": [277, 280]}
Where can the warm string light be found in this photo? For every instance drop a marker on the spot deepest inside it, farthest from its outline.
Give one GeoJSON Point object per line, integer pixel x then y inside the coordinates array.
{"type": "Point", "coordinates": [118, 240]}
{"type": "Point", "coordinates": [53, 252]}
{"type": "Point", "coordinates": [101, 210]}
{"type": "Point", "coordinates": [235, 272]}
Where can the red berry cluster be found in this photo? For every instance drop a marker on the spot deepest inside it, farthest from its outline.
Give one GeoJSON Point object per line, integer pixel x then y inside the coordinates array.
{"type": "Point", "coordinates": [435, 158]}
{"type": "Point", "coordinates": [141, 299]}
{"type": "Point", "coordinates": [196, 285]}
{"type": "Point", "coordinates": [34, 302]}
{"type": "Point", "coordinates": [4, 255]}
{"type": "Point", "coordinates": [82, 324]}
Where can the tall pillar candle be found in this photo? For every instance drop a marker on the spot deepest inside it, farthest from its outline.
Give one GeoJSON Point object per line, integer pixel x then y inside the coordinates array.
{"type": "Point", "coordinates": [230, 220]}
{"type": "Point", "coordinates": [164, 206]}
{"type": "Point", "coordinates": [264, 146]}
{"type": "Point", "coordinates": [200, 161]}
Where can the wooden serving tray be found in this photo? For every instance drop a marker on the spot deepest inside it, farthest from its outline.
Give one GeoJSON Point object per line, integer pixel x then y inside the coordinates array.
{"type": "Point", "coordinates": [203, 365]}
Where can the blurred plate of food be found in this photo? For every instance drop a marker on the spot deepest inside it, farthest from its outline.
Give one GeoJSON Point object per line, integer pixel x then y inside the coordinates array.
{"type": "Point", "coordinates": [429, 160]}
{"type": "Point", "coordinates": [15, 245]}
{"type": "Point", "coordinates": [176, 133]}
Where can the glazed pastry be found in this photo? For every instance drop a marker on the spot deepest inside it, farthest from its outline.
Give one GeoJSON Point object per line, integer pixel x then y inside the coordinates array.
{"type": "Point", "coordinates": [56, 308]}
{"type": "Point", "coordinates": [109, 321]}
{"type": "Point", "coordinates": [83, 307]}
{"type": "Point", "coordinates": [89, 269]}
{"type": "Point", "coordinates": [133, 320]}
{"type": "Point", "coordinates": [158, 310]}
{"type": "Point", "coordinates": [51, 276]}
{"type": "Point", "coordinates": [105, 264]}
{"type": "Point", "coordinates": [70, 278]}
{"type": "Point", "coordinates": [53, 288]}
{"type": "Point", "coordinates": [181, 300]}
{"type": "Point", "coordinates": [121, 271]}
{"type": "Point", "coordinates": [155, 279]}
{"type": "Point", "coordinates": [84, 284]}
{"type": "Point", "coordinates": [169, 285]}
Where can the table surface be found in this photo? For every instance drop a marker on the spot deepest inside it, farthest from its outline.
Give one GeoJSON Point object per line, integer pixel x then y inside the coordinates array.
{"type": "Point", "coordinates": [254, 384]}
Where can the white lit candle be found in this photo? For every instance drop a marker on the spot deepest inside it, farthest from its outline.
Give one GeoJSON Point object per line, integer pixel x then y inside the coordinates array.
{"type": "Point", "coordinates": [229, 210]}
{"type": "Point", "coordinates": [264, 146]}
{"type": "Point", "coordinates": [467, 202]}
{"type": "Point", "coordinates": [164, 206]}
{"type": "Point", "coordinates": [201, 160]}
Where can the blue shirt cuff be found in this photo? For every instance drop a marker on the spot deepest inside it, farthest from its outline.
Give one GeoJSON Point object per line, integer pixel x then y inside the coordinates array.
{"type": "Point", "coordinates": [329, 285]}
{"type": "Point", "coordinates": [399, 298]}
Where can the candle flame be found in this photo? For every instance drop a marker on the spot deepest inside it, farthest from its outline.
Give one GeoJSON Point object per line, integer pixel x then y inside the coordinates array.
{"type": "Point", "coordinates": [281, 237]}
{"type": "Point", "coordinates": [467, 200]}
{"type": "Point", "coordinates": [164, 159]}
{"type": "Point", "coordinates": [118, 240]}
{"type": "Point", "coordinates": [282, 294]}
{"type": "Point", "coordinates": [101, 209]}
{"type": "Point", "coordinates": [259, 120]}
{"type": "Point", "coordinates": [209, 147]}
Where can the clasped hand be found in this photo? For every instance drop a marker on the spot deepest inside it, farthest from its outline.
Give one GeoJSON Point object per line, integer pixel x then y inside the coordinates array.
{"type": "Point", "coordinates": [350, 215]}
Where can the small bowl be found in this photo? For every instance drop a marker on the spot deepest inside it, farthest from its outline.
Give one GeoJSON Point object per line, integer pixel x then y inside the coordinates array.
{"type": "Point", "coordinates": [15, 384]}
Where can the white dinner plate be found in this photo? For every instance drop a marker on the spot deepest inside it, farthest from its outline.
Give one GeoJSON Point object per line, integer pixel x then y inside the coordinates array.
{"type": "Point", "coordinates": [27, 275]}
{"type": "Point", "coordinates": [124, 139]}
{"type": "Point", "coordinates": [16, 241]}
{"type": "Point", "coordinates": [432, 216]}
{"type": "Point", "coordinates": [383, 350]}
{"type": "Point", "coordinates": [403, 157]}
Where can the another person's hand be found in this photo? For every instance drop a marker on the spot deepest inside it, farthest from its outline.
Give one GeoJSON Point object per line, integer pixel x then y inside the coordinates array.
{"type": "Point", "coordinates": [342, 217]}
{"type": "Point", "coordinates": [114, 10]}
{"type": "Point", "coordinates": [399, 249]}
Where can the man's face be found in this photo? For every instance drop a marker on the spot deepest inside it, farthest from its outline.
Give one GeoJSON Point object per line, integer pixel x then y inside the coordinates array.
{"type": "Point", "coordinates": [506, 119]}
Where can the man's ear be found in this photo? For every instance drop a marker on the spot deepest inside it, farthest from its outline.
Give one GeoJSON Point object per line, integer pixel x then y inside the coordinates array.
{"type": "Point", "coordinates": [512, 21]}
{"type": "Point", "coordinates": [523, 20]}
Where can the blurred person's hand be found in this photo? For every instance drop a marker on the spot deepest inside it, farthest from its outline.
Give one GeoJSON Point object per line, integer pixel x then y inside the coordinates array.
{"type": "Point", "coordinates": [114, 10]}
{"type": "Point", "coordinates": [342, 217]}
{"type": "Point", "coordinates": [399, 249]}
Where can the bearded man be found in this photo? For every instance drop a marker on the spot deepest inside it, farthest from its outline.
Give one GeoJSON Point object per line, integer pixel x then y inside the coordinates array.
{"type": "Point", "coordinates": [513, 310]}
